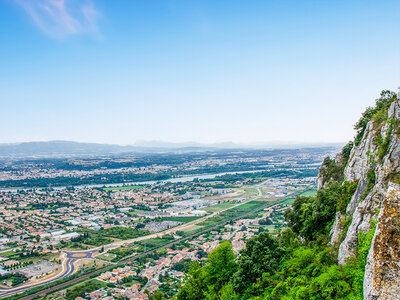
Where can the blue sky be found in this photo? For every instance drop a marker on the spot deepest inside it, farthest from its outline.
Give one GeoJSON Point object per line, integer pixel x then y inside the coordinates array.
{"type": "Point", "coordinates": [207, 71]}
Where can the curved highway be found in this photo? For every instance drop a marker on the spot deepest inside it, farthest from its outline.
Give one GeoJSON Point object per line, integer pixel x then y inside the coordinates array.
{"type": "Point", "coordinates": [68, 268]}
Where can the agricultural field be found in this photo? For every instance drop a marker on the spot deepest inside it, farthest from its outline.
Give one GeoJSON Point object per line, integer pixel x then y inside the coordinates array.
{"type": "Point", "coordinates": [179, 219]}
{"type": "Point", "coordinates": [218, 207]}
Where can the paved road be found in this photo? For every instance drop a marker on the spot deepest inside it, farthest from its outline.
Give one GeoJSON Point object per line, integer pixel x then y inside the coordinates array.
{"type": "Point", "coordinates": [68, 269]}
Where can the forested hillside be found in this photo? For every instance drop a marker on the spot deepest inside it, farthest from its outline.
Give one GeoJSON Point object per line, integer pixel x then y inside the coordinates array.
{"type": "Point", "coordinates": [302, 261]}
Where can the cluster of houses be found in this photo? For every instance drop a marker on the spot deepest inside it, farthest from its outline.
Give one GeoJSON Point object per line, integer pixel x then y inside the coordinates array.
{"type": "Point", "coordinates": [132, 292]}
{"type": "Point", "coordinates": [117, 275]}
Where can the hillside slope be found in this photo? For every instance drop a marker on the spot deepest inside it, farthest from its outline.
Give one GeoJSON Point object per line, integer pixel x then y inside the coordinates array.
{"type": "Point", "coordinates": [342, 243]}
{"type": "Point", "coordinates": [374, 165]}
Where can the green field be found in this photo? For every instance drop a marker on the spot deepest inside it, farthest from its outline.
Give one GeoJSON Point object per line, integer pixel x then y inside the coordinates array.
{"type": "Point", "coordinates": [289, 201]}
{"type": "Point", "coordinates": [192, 229]}
{"type": "Point", "coordinates": [226, 216]}
{"type": "Point", "coordinates": [79, 289]}
{"type": "Point", "coordinates": [9, 253]}
{"type": "Point", "coordinates": [107, 256]}
{"type": "Point", "coordinates": [180, 219]}
{"type": "Point", "coordinates": [154, 243]}
{"type": "Point", "coordinates": [250, 193]}
{"type": "Point", "coordinates": [16, 256]}
{"type": "Point", "coordinates": [311, 192]}
{"type": "Point", "coordinates": [121, 188]}
{"type": "Point", "coordinates": [218, 207]}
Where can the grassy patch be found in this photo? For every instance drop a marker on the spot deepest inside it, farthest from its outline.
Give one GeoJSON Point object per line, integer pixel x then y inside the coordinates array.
{"type": "Point", "coordinates": [225, 216]}
{"type": "Point", "coordinates": [192, 229]}
{"type": "Point", "coordinates": [80, 289]}
{"type": "Point", "coordinates": [179, 219]}
{"type": "Point", "coordinates": [289, 201]}
{"type": "Point", "coordinates": [107, 256]}
{"type": "Point", "coordinates": [311, 192]}
{"type": "Point", "coordinates": [9, 253]}
{"type": "Point", "coordinates": [395, 177]}
{"type": "Point", "coordinates": [122, 252]}
{"type": "Point", "coordinates": [250, 192]}
{"type": "Point", "coordinates": [156, 242]}
{"type": "Point", "coordinates": [218, 207]}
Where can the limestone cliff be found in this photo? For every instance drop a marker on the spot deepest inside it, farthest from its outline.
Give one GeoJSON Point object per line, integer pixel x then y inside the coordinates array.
{"type": "Point", "coordinates": [374, 165]}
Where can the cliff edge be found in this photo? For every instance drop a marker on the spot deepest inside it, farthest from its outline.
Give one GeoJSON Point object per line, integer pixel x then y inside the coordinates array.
{"type": "Point", "coordinates": [372, 167]}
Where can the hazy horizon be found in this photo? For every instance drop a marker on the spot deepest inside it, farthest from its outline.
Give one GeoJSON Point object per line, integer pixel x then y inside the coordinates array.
{"type": "Point", "coordinates": [161, 143]}
{"type": "Point", "coordinates": [176, 71]}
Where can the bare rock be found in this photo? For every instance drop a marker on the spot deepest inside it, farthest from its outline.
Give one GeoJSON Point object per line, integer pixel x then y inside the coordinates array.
{"type": "Point", "coordinates": [382, 272]}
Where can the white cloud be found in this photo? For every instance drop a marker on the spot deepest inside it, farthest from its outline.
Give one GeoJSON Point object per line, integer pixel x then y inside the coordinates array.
{"type": "Point", "coordinates": [60, 18]}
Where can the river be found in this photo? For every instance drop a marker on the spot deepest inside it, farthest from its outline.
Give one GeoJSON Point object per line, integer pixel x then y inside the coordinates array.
{"type": "Point", "coordinates": [175, 179]}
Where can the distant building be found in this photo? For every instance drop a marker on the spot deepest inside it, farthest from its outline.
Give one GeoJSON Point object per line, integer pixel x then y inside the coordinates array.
{"type": "Point", "coordinates": [66, 237]}
{"type": "Point", "coordinates": [220, 191]}
{"type": "Point", "coordinates": [56, 232]}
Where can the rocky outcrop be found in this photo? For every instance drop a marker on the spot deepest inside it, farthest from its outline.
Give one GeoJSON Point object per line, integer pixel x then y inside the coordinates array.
{"type": "Point", "coordinates": [382, 272]}
{"type": "Point", "coordinates": [336, 229]}
{"type": "Point", "coordinates": [333, 169]}
{"type": "Point", "coordinates": [375, 164]}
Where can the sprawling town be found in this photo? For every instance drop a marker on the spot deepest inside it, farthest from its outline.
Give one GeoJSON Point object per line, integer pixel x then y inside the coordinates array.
{"type": "Point", "coordinates": [137, 238]}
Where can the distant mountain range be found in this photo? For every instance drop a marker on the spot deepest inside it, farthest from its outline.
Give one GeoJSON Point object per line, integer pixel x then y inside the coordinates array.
{"type": "Point", "coordinates": [69, 148]}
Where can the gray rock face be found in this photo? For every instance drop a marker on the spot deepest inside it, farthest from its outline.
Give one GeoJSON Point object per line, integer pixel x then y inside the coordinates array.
{"type": "Point", "coordinates": [359, 157]}
{"type": "Point", "coordinates": [321, 179]}
{"type": "Point", "coordinates": [382, 274]}
{"type": "Point", "coordinates": [381, 279]}
{"type": "Point", "coordinates": [394, 111]}
{"type": "Point", "coordinates": [336, 229]}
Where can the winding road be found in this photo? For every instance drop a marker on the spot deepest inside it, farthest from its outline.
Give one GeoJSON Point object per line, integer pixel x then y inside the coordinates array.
{"type": "Point", "coordinates": [67, 269]}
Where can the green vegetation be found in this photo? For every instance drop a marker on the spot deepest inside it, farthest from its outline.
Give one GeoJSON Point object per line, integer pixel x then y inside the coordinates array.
{"type": "Point", "coordinates": [258, 176]}
{"type": "Point", "coordinates": [220, 206]}
{"type": "Point", "coordinates": [86, 287]}
{"type": "Point", "coordinates": [156, 242]}
{"type": "Point", "coordinates": [16, 278]}
{"type": "Point", "coordinates": [384, 143]}
{"type": "Point", "coordinates": [107, 256]}
{"type": "Point", "coordinates": [356, 265]}
{"type": "Point", "coordinates": [311, 192]}
{"type": "Point", "coordinates": [182, 266]}
{"type": "Point", "coordinates": [347, 191]}
{"type": "Point", "coordinates": [371, 178]}
{"type": "Point", "coordinates": [378, 114]}
{"type": "Point", "coordinates": [231, 214]}
{"type": "Point", "coordinates": [395, 177]}
{"type": "Point", "coordinates": [332, 169]}
{"type": "Point", "coordinates": [312, 217]}
{"type": "Point", "coordinates": [122, 252]}
{"type": "Point", "coordinates": [298, 263]}
{"type": "Point", "coordinates": [270, 268]}
{"type": "Point", "coordinates": [257, 259]}
{"type": "Point", "coordinates": [94, 179]}
{"type": "Point", "coordinates": [178, 219]}
{"type": "Point", "coordinates": [91, 238]}
{"type": "Point", "coordinates": [284, 267]}
{"type": "Point", "coordinates": [207, 281]}
{"type": "Point", "coordinates": [123, 233]}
